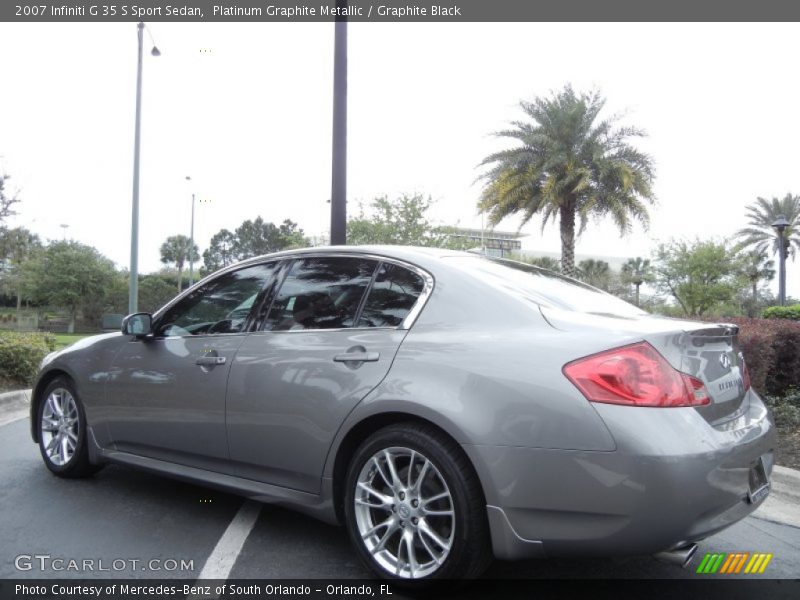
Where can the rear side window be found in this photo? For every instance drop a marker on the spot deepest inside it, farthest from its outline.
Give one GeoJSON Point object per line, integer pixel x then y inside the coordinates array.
{"type": "Point", "coordinates": [320, 293]}
{"type": "Point", "coordinates": [393, 294]}
{"type": "Point", "coordinates": [544, 288]}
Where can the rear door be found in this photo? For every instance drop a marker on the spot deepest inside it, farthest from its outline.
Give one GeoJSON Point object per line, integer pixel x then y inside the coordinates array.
{"type": "Point", "coordinates": [323, 345]}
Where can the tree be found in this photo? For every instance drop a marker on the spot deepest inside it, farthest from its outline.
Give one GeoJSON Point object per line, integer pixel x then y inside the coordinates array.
{"type": "Point", "coordinates": [544, 262]}
{"type": "Point", "coordinates": [756, 267]}
{"type": "Point", "coordinates": [7, 200]}
{"type": "Point", "coordinates": [760, 235]}
{"type": "Point", "coordinates": [700, 275]}
{"type": "Point", "coordinates": [402, 222]}
{"type": "Point", "coordinates": [16, 246]}
{"type": "Point", "coordinates": [176, 251]}
{"type": "Point", "coordinates": [257, 237]}
{"type": "Point", "coordinates": [595, 272]}
{"type": "Point", "coordinates": [154, 293]}
{"type": "Point", "coordinates": [221, 251]}
{"type": "Point", "coordinates": [637, 271]}
{"type": "Point", "coordinates": [568, 165]}
{"type": "Point", "coordinates": [68, 275]}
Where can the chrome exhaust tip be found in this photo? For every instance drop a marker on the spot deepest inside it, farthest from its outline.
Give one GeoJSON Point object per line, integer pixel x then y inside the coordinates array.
{"type": "Point", "coordinates": [679, 556]}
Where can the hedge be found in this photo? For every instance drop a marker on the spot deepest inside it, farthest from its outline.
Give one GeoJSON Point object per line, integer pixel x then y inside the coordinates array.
{"type": "Point", "coordinates": [21, 354]}
{"type": "Point", "coordinates": [783, 312]}
{"type": "Point", "coordinates": [771, 348]}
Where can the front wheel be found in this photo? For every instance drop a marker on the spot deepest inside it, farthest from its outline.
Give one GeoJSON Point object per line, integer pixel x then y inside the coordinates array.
{"type": "Point", "coordinates": [62, 431]}
{"type": "Point", "coordinates": [414, 508]}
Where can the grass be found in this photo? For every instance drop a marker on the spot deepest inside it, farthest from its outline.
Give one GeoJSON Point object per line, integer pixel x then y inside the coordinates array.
{"type": "Point", "coordinates": [65, 339]}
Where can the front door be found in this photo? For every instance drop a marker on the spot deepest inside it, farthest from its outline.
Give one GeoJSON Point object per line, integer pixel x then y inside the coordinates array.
{"type": "Point", "coordinates": [165, 397]}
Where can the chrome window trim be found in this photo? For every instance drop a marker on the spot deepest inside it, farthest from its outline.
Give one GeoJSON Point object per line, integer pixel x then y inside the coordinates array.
{"type": "Point", "coordinates": [428, 281]}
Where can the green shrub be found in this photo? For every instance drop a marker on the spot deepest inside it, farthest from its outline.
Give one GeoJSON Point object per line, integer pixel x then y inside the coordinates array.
{"type": "Point", "coordinates": [21, 354]}
{"type": "Point", "coordinates": [783, 312]}
{"type": "Point", "coordinates": [785, 409]}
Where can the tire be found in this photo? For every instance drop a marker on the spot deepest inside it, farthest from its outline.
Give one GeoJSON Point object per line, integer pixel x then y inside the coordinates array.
{"type": "Point", "coordinates": [432, 508]}
{"type": "Point", "coordinates": [61, 427]}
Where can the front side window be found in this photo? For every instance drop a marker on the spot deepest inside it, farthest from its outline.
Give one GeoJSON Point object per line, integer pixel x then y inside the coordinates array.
{"type": "Point", "coordinates": [393, 294]}
{"type": "Point", "coordinates": [220, 306]}
{"type": "Point", "coordinates": [320, 293]}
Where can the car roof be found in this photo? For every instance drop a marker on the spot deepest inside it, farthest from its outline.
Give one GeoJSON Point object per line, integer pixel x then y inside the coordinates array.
{"type": "Point", "coordinates": [424, 257]}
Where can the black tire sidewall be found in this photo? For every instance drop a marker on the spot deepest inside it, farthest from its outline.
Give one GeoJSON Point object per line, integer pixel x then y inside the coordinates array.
{"type": "Point", "coordinates": [79, 459]}
{"type": "Point", "coordinates": [431, 447]}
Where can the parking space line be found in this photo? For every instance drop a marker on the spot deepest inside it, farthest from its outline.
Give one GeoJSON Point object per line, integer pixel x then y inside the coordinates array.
{"type": "Point", "coordinates": [222, 559]}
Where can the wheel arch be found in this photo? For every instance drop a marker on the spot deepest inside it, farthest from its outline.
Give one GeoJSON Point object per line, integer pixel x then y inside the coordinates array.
{"type": "Point", "coordinates": [360, 431]}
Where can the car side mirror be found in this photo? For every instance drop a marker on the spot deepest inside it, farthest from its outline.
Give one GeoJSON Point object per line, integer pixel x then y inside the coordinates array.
{"type": "Point", "coordinates": [139, 325]}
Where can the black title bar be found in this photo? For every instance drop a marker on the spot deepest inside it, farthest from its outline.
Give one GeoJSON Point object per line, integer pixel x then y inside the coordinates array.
{"type": "Point", "coordinates": [403, 11]}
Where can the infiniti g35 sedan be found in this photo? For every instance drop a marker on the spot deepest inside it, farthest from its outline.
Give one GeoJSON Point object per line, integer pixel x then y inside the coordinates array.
{"type": "Point", "coordinates": [445, 407]}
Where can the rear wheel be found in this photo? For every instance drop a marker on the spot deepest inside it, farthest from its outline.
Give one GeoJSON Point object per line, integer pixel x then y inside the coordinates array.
{"type": "Point", "coordinates": [62, 431]}
{"type": "Point", "coordinates": [414, 507]}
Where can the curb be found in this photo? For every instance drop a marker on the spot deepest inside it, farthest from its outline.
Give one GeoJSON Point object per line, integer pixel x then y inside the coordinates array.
{"type": "Point", "coordinates": [14, 405]}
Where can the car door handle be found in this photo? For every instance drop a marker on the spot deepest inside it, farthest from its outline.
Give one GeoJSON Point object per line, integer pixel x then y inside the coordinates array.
{"type": "Point", "coordinates": [357, 357]}
{"type": "Point", "coordinates": [209, 361]}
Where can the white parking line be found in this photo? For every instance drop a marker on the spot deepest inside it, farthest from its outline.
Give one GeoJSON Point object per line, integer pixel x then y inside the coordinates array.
{"type": "Point", "coordinates": [220, 563]}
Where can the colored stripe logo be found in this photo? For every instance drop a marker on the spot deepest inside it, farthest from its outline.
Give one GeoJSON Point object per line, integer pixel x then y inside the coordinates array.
{"type": "Point", "coordinates": [734, 563]}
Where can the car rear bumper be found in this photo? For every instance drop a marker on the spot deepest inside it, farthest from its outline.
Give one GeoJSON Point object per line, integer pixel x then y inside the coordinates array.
{"type": "Point", "coordinates": [673, 479]}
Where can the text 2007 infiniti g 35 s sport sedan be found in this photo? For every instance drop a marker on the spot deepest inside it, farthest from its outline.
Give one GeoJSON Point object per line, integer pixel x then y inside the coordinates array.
{"type": "Point", "coordinates": [445, 407]}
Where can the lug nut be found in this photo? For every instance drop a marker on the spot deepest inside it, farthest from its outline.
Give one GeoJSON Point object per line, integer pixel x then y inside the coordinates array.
{"type": "Point", "coordinates": [394, 508]}
{"type": "Point", "coordinates": [414, 503]}
{"type": "Point", "coordinates": [402, 496]}
{"type": "Point", "coordinates": [415, 520]}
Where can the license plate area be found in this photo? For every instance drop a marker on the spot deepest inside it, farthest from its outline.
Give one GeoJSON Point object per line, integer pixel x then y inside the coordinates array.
{"type": "Point", "coordinates": [758, 482]}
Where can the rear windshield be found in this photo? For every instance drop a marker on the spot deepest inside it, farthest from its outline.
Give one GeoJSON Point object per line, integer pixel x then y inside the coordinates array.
{"type": "Point", "coordinates": [544, 287]}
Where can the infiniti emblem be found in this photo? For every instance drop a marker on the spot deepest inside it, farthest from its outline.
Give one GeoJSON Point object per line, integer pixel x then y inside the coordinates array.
{"type": "Point", "coordinates": [404, 511]}
{"type": "Point", "coordinates": [725, 361]}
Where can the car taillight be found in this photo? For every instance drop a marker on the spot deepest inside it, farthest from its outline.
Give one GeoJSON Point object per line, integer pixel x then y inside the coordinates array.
{"type": "Point", "coordinates": [635, 375]}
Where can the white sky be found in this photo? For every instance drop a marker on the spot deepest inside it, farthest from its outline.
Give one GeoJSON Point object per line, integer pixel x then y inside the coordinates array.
{"type": "Point", "coordinates": [245, 109]}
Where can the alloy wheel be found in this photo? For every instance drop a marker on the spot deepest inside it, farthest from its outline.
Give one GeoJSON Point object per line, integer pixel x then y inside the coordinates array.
{"type": "Point", "coordinates": [404, 512]}
{"type": "Point", "coordinates": [60, 427]}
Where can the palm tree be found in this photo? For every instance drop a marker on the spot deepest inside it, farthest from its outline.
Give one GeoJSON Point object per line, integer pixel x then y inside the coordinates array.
{"type": "Point", "coordinates": [760, 235]}
{"type": "Point", "coordinates": [176, 250]}
{"type": "Point", "coordinates": [637, 271]}
{"type": "Point", "coordinates": [595, 272]}
{"type": "Point", "coordinates": [568, 164]}
{"type": "Point", "coordinates": [756, 266]}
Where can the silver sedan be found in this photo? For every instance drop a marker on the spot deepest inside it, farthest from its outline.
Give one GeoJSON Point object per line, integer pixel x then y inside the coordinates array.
{"type": "Point", "coordinates": [445, 407]}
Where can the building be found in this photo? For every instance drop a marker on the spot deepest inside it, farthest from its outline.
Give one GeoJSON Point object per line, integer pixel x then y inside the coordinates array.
{"type": "Point", "coordinates": [495, 243]}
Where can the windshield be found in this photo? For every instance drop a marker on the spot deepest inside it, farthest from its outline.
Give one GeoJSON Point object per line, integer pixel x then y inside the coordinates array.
{"type": "Point", "coordinates": [544, 287]}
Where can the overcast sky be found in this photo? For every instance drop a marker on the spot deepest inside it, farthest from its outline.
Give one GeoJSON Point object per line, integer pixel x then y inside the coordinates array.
{"type": "Point", "coordinates": [245, 109]}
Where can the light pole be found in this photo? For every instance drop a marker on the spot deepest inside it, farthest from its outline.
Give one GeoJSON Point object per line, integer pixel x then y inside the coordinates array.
{"type": "Point", "coordinates": [780, 226]}
{"type": "Point", "coordinates": [64, 230]}
{"type": "Point", "coordinates": [191, 241]}
{"type": "Point", "coordinates": [133, 284]}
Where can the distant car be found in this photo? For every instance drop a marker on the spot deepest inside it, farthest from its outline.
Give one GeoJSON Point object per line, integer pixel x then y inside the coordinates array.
{"type": "Point", "coordinates": [445, 407]}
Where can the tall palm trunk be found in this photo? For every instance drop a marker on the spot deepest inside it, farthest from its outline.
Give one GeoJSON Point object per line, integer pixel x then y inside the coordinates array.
{"type": "Point", "coordinates": [180, 277]}
{"type": "Point", "coordinates": [567, 217]}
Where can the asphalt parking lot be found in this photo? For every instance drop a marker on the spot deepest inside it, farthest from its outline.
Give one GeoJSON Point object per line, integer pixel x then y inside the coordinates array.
{"type": "Point", "coordinates": [189, 531]}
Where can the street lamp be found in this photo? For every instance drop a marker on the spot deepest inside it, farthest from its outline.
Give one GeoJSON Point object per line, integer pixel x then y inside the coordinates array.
{"type": "Point", "coordinates": [133, 284]}
{"type": "Point", "coordinates": [191, 241]}
{"type": "Point", "coordinates": [64, 229]}
{"type": "Point", "coordinates": [780, 226]}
